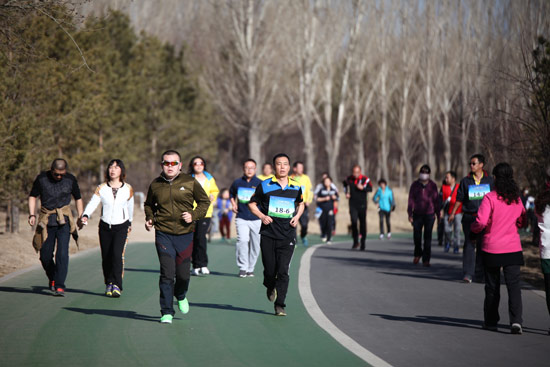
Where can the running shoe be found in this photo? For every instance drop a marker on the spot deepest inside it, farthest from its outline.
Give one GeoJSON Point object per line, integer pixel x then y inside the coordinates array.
{"type": "Point", "coordinates": [355, 246]}
{"type": "Point", "coordinates": [426, 264]}
{"type": "Point", "coordinates": [279, 311]}
{"type": "Point", "coordinates": [109, 290]}
{"type": "Point", "coordinates": [116, 291]}
{"type": "Point", "coordinates": [416, 260]}
{"type": "Point", "coordinates": [183, 306]}
{"type": "Point", "coordinates": [329, 242]}
{"type": "Point", "coordinates": [271, 294]}
{"type": "Point", "coordinates": [196, 271]}
{"type": "Point", "coordinates": [516, 329]}
{"type": "Point", "coordinates": [242, 274]}
{"type": "Point", "coordinates": [455, 251]}
{"type": "Point", "coordinates": [323, 239]}
{"type": "Point", "coordinates": [381, 236]}
{"type": "Point", "coordinates": [467, 279]}
{"type": "Point", "coordinates": [388, 235]}
{"type": "Point", "coordinates": [489, 327]}
{"type": "Point", "coordinates": [51, 285]}
{"type": "Point", "coordinates": [250, 274]}
{"type": "Point", "coordinates": [59, 292]}
{"type": "Point", "coordinates": [204, 270]}
{"type": "Point", "coordinates": [447, 247]}
{"type": "Point", "coordinates": [305, 241]}
{"type": "Point", "coordinates": [166, 319]}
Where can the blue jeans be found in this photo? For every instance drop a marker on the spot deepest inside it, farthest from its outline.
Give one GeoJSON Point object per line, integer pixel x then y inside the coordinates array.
{"type": "Point", "coordinates": [174, 252]}
{"type": "Point", "coordinates": [56, 271]}
{"type": "Point", "coordinates": [426, 222]}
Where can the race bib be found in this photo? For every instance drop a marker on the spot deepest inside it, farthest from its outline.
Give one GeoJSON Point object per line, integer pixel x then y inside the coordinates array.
{"type": "Point", "coordinates": [281, 207]}
{"type": "Point", "coordinates": [244, 194]}
{"type": "Point", "coordinates": [477, 192]}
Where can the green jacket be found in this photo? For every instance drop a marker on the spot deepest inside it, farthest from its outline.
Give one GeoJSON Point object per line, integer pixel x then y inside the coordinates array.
{"type": "Point", "coordinates": [167, 200]}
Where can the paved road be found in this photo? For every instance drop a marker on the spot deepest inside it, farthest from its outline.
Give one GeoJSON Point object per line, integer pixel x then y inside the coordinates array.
{"type": "Point", "coordinates": [414, 316]}
{"type": "Point", "coordinates": [231, 323]}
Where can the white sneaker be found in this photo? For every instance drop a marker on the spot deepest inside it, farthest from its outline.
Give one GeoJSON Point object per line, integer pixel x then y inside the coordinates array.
{"type": "Point", "coordinates": [196, 271]}
{"type": "Point", "coordinates": [389, 235]}
{"type": "Point", "coordinates": [329, 242]}
{"type": "Point", "coordinates": [205, 270]}
{"type": "Point", "coordinates": [381, 236]}
{"type": "Point", "coordinates": [324, 239]}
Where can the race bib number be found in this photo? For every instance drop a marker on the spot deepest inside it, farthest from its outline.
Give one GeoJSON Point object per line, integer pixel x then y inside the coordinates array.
{"type": "Point", "coordinates": [281, 207]}
{"type": "Point", "coordinates": [244, 194]}
{"type": "Point", "coordinates": [477, 192]}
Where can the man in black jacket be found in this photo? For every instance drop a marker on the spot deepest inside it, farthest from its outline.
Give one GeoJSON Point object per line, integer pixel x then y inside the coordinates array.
{"type": "Point", "coordinates": [356, 188]}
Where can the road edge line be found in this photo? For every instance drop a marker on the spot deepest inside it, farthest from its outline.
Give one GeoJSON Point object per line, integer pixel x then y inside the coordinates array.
{"type": "Point", "coordinates": [313, 309]}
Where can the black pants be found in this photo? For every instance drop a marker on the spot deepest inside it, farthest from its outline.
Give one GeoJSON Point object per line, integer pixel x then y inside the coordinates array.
{"type": "Point", "coordinates": [112, 241]}
{"type": "Point", "coordinates": [174, 252]}
{"type": "Point", "coordinates": [492, 294]}
{"type": "Point", "coordinates": [547, 290]}
{"type": "Point", "coordinates": [472, 261]}
{"type": "Point", "coordinates": [327, 221]}
{"type": "Point", "coordinates": [56, 271]}
{"type": "Point", "coordinates": [426, 222]}
{"type": "Point", "coordinates": [304, 220]}
{"type": "Point", "coordinates": [200, 258]}
{"type": "Point", "coordinates": [276, 256]}
{"type": "Point", "coordinates": [384, 214]}
{"type": "Point", "coordinates": [358, 213]}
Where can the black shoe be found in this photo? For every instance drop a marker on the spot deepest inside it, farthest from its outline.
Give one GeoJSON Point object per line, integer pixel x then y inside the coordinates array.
{"type": "Point", "coordinates": [280, 311]}
{"type": "Point", "coordinates": [272, 294]}
{"type": "Point", "coordinates": [489, 327]}
{"type": "Point", "coordinates": [355, 246]}
{"type": "Point", "coordinates": [242, 274]}
{"type": "Point", "coordinates": [516, 329]}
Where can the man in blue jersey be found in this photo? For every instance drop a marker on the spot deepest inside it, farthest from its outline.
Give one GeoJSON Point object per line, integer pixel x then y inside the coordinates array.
{"type": "Point", "coordinates": [248, 225]}
{"type": "Point", "coordinates": [278, 202]}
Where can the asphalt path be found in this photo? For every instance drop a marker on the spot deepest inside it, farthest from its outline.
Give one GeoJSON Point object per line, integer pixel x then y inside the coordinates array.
{"type": "Point", "coordinates": [409, 315]}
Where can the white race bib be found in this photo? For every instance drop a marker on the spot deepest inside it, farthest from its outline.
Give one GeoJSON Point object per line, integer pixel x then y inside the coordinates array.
{"type": "Point", "coordinates": [280, 207]}
{"type": "Point", "coordinates": [244, 194]}
{"type": "Point", "coordinates": [477, 192]}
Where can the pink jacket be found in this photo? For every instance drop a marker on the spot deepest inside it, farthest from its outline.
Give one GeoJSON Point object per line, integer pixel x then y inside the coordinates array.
{"type": "Point", "coordinates": [501, 222]}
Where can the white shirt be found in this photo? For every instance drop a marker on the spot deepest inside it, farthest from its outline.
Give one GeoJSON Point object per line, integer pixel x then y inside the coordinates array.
{"type": "Point", "coordinates": [115, 210]}
{"type": "Point", "coordinates": [544, 225]}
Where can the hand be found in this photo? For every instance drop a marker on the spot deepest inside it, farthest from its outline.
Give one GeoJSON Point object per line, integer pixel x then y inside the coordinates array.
{"type": "Point", "coordinates": [411, 219]}
{"type": "Point", "coordinates": [149, 224]}
{"type": "Point", "coordinates": [211, 197]}
{"type": "Point", "coordinates": [267, 220]}
{"type": "Point", "coordinates": [32, 220]}
{"type": "Point", "coordinates": [235, 209]}
{"type": "Point", "coordinates": [294, 222]}
{"type": "Point", "coordinates": [129, 228]}
{"type": "Point", "coordinates": [360, 186]}
{"type": "Point", "coordinates": [333, 197]}
{"type": "Point", "coordinates": [348, 195]}
{"type": "Point", "coordinates": [187, 217]}
{"type": "Point", "coordinates": [451, 218]}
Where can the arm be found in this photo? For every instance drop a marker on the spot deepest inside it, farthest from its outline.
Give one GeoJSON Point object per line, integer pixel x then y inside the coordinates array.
{"type": "Point", "coordinates": [203, 203]}
{"type": "Point", "coordinates": [294, 221]}
{"type": "Point", "coordinates": [483, 215]}
{"type": "Point", "coordinates": [234, 206]}
{"type": "Point", "coordinates": [91, 207]}
{"type": "Point", "coordinates": [131, 206]}
{"type": "Point", "coordinates": [257, 212]}
{"type": "Point", "coordinates": [32, 209]}
{"type": "Point", "coordinates": [148, 207]}
{"type": "Point", "coordinates": [410, 204]}
{"type": "Point", "coordinates": [214, 190]}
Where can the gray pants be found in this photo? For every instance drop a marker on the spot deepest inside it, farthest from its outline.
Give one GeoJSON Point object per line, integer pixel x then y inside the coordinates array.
{"type": "Point", "coordinates": [248, 243]}
{"type": "Point", "coordinates": [453, 230]}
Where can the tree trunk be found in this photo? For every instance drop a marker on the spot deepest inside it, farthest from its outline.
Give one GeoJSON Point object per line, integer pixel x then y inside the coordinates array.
{"type": "Point", "coordinates": [101, 162]}
{"type": "Point", "coordinates": [384, 126]}
{"type": "Point", "coordinates": [446, 140]}
{"type": "Point", "coordinates": [154, 158]}
{"type": "Point", "coordinates": [309, 150]}
{"type": "Point", "coordinates": [360, 148]}
{"type": "Point", "coordinates": [14, 218]}
{"type": "Point", "coordinates": [255, 143]}
{"type": "Point", "coordinates": [8, 217]}
{"type": "Point", "coordinates": [463, 149]}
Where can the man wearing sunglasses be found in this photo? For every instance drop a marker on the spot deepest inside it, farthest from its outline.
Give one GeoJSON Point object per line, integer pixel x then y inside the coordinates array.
{"type": "Point", "coordinates": [169, 209]}
{"type": "Point", "coordinates": [55, 221]}
{"type": "Point", "coordinates": [471, 190]}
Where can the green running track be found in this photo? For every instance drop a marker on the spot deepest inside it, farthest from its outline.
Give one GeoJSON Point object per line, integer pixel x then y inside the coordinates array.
{"type": "Point", "coordinates": [230, 323]}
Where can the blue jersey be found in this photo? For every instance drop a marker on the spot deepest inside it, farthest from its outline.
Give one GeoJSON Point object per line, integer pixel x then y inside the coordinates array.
{"type": "Point", "coordinates": [241, 191]}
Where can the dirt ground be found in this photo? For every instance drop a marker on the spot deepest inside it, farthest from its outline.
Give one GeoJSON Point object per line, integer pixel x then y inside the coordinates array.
{"type": "Point", "coordinates": [16, 251]}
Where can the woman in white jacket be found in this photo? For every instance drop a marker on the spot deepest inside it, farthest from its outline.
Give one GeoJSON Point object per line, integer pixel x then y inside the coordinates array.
{"type": "Point", "coordinates": [542, 210]}
{"type": "Point", "coordinates": [117, 200]}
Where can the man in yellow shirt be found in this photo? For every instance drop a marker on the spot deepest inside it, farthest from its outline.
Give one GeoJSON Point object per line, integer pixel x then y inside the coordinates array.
{"type": "Point", "coordinates": [267, 171]}
{"type": "Point", "coordinates": [305, 183]}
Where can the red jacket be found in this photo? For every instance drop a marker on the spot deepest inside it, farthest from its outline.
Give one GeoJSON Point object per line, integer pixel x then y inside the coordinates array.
{"type": "Point", "coordinates": [446, 191]}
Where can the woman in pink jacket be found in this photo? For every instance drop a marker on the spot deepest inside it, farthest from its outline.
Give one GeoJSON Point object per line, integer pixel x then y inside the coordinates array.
{"type": "Point", "coordinates": [499, 216]}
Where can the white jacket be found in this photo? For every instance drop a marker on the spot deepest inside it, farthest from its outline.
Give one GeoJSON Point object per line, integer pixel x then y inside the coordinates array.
{"type": "Point", "coordinates": [114, 210]}
{"type": "Point", "coordinates": [544, 225]}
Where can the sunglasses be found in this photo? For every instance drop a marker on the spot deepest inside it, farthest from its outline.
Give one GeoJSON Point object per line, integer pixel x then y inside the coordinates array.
{"type": "Point", "coordinates": [473, 163]}
{"type": "Point", "coordinates": [170, 164]}
{"type": "Point", "coordinates": [198, 164]}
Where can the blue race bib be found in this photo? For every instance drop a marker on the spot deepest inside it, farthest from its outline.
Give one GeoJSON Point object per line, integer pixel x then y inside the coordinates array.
{"type": "Point", "coordinates": [244, 194]}
{"type": "Point", "coordinates": [280, 207]}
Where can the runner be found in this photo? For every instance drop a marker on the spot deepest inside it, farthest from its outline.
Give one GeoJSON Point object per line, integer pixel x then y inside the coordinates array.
{"type": "Point", "coordinates": [542, 210]}
{"type": "Point", "coordinates": [223, 209]}
{"type": "Point", "coordinates": [471, 191]}
{"type": "Point", "coordinates": [248, 225]}
{"type": "Point", "coordinates": [384, 199]}
{"type": "Point", "coordinates": [169, 208]}
{"type": "Point", "coordinates": [325, 198]}
{"type": "Point", "coordinates": [500, 214]}
{"type": "Point", "coordinates": [267, 171]}
{"type": "Point", "coordinates": [197, 169]}
{"type": "Point", "coordinates": [117, 200]}
{"type": "Point", "coordinates": [318, 211]}
{"type": "Point", "coordinates": [304, 181]}
{"type": "Point", "coordinates": [55, 222]}
{"type": "Point", "coordinates": [422, 209]}
{"type": "Point", "coordinates": [278, 202]}
{"type": "Point", "coordinates": [448, 196]}
{"type": "Point", "coordinates": [356, 188]}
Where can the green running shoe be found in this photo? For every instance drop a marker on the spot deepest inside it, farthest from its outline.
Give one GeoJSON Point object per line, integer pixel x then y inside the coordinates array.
{"type": "Point", "coordinates": [184, 306]}
{"type": "Point", "coordinates": [166, 319]}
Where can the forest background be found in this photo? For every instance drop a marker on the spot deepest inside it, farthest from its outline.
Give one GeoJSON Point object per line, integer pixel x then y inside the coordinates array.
{"type": "Point", "coordinates": [389, 85]}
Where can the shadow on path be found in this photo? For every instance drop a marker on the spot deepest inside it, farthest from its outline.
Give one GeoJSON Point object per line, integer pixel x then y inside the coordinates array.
{"type": "Point", "coordinates": [142, 270]}
{"type": "Point", "coordinates": [45, 290]}
{"type": "Point", "coordinates": [229, 308]}
{"type": "Point", "coordinates": [455, 322]}
{"type": "Point", "coordinates": [114, 313]}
